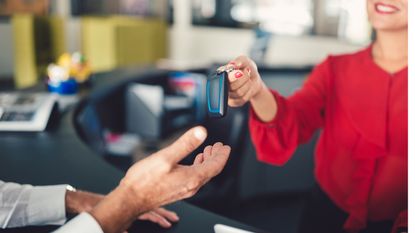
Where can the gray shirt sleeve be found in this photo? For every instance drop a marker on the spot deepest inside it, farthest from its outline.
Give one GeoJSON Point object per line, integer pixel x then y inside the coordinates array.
{"type": "Point", "coordinates": [23, 205]}
{"type": "Point", "coordinates": [83, 223]}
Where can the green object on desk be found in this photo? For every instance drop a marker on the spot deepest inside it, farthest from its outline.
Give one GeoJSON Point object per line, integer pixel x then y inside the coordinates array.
{"type": "Point", "coordinates": [38, 41]}
{"type": "Point", "coordinates": [25, 72]}
{"type": "Point", "coordinates": [118, 41]}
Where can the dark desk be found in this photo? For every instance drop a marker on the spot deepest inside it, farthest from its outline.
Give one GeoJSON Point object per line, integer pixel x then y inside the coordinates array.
{"type": "Point", "coordinates": [58, 156]}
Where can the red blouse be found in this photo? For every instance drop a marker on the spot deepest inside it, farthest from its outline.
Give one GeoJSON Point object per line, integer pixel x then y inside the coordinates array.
{"type": "Point", "coordinates": [362, 153]}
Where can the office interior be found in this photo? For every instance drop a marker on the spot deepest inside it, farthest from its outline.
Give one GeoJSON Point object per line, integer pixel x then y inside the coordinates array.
{"type": "Point", "coordinates": [137, 97]}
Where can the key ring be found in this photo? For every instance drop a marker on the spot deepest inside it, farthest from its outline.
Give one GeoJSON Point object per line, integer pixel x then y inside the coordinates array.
{"type": "Point", "coordinates": [226, 69]}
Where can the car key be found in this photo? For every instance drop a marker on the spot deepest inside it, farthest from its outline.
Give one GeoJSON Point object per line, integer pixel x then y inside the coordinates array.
{"type": "Point", "coordinates": [217, 90]}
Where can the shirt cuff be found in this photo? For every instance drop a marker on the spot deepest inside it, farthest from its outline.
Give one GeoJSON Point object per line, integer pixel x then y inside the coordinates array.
{"type": "Point", "coordinates": [83, 223]}
{"type": "Point", "coordinates": [46, 205]}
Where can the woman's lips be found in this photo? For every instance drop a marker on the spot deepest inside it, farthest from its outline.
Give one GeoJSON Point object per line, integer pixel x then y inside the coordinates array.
{"type": "Point", "coordinates": [382, 8]}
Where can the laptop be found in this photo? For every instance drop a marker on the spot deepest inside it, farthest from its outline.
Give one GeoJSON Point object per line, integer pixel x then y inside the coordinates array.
{"type": "Point", "coordinates": [25, 111]}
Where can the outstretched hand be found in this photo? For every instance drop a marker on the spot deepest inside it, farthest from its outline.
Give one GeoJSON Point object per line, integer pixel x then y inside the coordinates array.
{"type": "Point", "coordinates": [170, 181]}
{"type": "Point", "coordinates": [159, 180]}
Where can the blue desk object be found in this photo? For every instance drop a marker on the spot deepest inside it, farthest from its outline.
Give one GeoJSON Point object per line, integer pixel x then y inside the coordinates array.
{"type": "Point", "coordinates": [68, 87]}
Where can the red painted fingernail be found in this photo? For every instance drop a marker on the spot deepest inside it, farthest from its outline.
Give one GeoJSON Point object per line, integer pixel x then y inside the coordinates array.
{"type": "Point", "coordinates": [238, 74]}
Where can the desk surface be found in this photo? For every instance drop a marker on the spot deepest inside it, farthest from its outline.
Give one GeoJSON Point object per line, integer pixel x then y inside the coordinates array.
{"type": "Point", "coordinates": [58, 156]}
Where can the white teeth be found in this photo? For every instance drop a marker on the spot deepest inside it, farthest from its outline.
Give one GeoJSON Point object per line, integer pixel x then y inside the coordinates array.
{"type": "Point", "coordinates": [386, 9]}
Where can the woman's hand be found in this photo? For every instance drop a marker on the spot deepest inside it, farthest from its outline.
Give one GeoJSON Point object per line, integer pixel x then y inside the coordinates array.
{"type": "Point", "coordinates": [245, 84]}
{"type": "Point", "coordinates": [245, 81]}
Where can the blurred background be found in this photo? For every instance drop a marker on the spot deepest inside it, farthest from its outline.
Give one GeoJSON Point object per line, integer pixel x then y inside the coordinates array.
{"type": "Point", "coordinates": [190, 33]}
{"type": "Point", "coordinates": [184, 40]}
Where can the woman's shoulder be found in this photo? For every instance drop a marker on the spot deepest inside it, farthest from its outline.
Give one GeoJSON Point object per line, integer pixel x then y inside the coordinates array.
{"type": "Point", "coordinates": [353, 58]}
{"type": "Point", "coordinates": [345, 64]}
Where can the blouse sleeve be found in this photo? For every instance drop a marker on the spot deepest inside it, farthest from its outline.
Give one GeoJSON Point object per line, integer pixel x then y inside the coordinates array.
{"type": "Point", "coordinates": [296, 120]}
{"type": "Point", "coordinates": [401, 222]}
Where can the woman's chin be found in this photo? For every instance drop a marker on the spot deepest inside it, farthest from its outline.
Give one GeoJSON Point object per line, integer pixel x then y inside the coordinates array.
{"type": "Point", "coordinates": [395, 22]}
{"type": "Point", "coordinates": [389, 26]}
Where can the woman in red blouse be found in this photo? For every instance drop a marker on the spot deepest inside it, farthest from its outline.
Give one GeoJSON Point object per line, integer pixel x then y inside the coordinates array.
{"type": "Point", "coordinates": [360, 102]}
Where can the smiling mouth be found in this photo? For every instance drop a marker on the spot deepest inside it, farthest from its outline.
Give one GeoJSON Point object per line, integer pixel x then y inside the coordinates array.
{"type": "Point", "coordinates": [382, 8]}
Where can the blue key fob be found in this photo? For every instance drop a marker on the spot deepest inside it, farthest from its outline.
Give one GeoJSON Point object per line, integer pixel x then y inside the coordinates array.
{"type": "Point", "coordinates": [217, 90]}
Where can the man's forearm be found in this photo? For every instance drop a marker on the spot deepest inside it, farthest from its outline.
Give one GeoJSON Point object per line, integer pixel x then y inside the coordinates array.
{"type": "Point", "coordinates": [119, 209]}
{"type": "Point", "coordinates": [81, 201]}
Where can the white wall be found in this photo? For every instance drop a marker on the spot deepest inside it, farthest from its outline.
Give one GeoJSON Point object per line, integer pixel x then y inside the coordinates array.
{"type": "Point", "coordinates": [203, 45]}
{"type": "Point", "coordinates": [307, 50]}
{"type": "Point", "coordinates": [62, 8]}
{"type": "Point", "coordinates": [6, 50]}
{"type": "Point", "coordinates": [207, 44]}
{"type": "Point", "coordinates": [73, 34]}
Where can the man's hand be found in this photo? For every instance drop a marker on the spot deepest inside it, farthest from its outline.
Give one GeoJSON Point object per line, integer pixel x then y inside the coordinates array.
{"type": "Point", "coordinates": [159, 179]}
{"type": "Point", "coordinates": [169, 181]}
{"type": "Point", "coordinates": [80, 201]}
{"type": "Point", "coordinates": [160, 216]}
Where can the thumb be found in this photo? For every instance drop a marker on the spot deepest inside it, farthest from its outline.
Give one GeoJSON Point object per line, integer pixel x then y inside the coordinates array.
{"type": "Point", "coordinates": [241, 62]}
{"type": "Point", "coordinates": [185, 145]}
